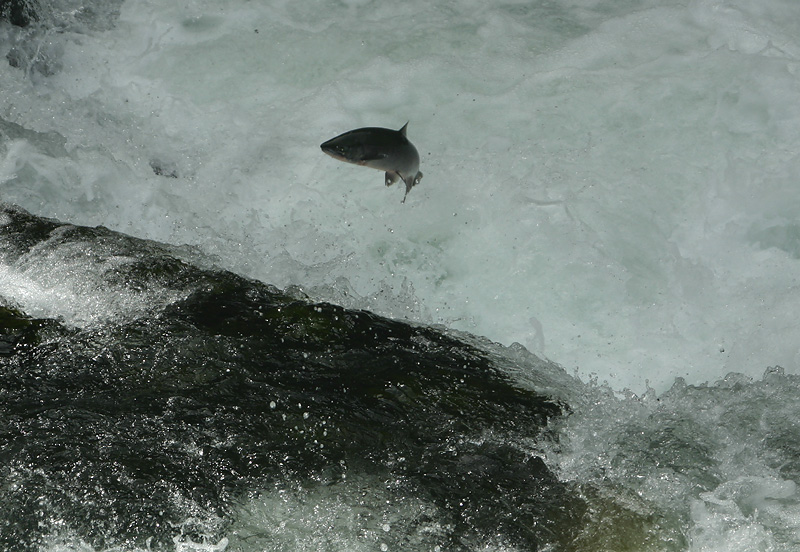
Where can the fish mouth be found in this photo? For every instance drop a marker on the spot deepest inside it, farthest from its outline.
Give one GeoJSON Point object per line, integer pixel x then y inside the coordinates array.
{"type": "Point", "coordinates": [332, 151]}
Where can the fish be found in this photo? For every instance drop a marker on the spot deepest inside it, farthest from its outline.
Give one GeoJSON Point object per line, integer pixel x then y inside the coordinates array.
{"type": "Point", "coordinates": [379, 148]}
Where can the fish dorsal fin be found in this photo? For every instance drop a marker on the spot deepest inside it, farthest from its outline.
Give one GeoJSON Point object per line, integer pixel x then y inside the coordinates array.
{"type": "Point", "coordinates": [403, 130]}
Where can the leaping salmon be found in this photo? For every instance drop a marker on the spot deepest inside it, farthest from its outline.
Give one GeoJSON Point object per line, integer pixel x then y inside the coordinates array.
{"type": "Point", "coordinates": [379, 148]}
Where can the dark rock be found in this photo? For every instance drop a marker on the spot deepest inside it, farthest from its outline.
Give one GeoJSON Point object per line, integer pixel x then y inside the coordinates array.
{"type": "Point", "coordinates": [128, 430]}
{"type": "Point", "coordinates": [18, 12]}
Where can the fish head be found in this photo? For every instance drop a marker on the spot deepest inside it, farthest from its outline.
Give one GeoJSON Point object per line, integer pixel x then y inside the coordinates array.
{"type": "Point", "coordinates": [345, 148]}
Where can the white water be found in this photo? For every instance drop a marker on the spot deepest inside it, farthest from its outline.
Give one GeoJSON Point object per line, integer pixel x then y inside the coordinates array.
{"type": "Point", "coordinates": [614, 185]}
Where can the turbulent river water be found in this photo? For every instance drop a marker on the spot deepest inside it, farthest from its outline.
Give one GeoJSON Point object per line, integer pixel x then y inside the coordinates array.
{"type": "Point", "coordinates": [577, 334]}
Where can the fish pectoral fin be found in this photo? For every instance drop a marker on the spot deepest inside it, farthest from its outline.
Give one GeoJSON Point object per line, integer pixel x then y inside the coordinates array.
{"type": "Point", "coordinates": [391, 178]}
{"type": "Point", "coordinates": [417, 178]}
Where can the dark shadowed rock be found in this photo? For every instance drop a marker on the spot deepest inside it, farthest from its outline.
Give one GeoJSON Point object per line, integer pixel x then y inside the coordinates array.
{"type": "Point", "coordinates": [130, 427]}
{"type": "Point", "coordinates": [18, 12]}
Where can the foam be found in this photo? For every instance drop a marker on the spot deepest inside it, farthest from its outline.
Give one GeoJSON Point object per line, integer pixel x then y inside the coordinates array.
{"type": "Point", "coordinates": [611, 188]}
{"type": "Point", "coordinates": [68, 282]}
{"type": "Point", "coordinates": [66, 544]}
{"type": "Point", "coordinates": [360, 513]}
{"type": "Point", "coordinates": [719, 456]}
